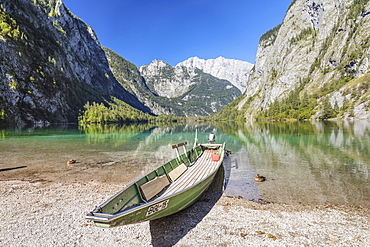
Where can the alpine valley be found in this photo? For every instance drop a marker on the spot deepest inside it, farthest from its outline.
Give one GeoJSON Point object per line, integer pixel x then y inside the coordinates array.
{"type": "Point", "coordinates": [315, 64]}
{"type": "Point", "coordinates": [180, 90]}
{"type": "Point", "coordinates": [52, 64]}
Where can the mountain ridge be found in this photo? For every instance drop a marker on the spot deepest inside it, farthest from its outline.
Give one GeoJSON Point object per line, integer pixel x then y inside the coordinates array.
{"type": "Point", "coordinates": [179, 90]}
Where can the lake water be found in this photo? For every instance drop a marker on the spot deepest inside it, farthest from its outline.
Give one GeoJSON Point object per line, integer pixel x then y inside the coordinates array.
{"type": "Point", "coordinates": [310, 163]}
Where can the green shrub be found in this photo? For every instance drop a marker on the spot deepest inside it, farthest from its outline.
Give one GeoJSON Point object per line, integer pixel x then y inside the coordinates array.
{"type": "Point", "coordinates": [117, 111]}
{"type": "Point", "coordinates": [294, 106]}
{"type": "Point", "coordinates": [270, 36]}
{"type": "Point", "coordinates": [304, 34]}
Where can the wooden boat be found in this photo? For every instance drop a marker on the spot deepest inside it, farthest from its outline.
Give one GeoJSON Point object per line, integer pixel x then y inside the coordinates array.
{"type": "Point", "coordinates": [164, 191]}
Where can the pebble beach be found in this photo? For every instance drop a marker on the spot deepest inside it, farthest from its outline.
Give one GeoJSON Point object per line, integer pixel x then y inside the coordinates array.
{"type": "Point", "coordinates": [45, 213]}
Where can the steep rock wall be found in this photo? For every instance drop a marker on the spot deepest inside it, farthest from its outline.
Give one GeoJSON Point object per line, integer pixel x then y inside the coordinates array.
{"type": "Point", "coordinates": [51, 64]}
{"type": "Point", "coordinates": [320, 49]}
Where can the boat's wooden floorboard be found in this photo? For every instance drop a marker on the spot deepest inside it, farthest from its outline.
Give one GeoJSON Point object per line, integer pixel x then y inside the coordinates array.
{"type": "Point", "coordinates": [195, 173]}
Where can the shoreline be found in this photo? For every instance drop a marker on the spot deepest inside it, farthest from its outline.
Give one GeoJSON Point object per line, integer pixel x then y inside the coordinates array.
{"type": "Point", "coordinates": [42, 213]}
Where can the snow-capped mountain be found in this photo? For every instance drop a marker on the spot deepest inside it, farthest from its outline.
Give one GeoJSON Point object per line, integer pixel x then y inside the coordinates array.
{"type": "Point", "coordinates": [235, 71]}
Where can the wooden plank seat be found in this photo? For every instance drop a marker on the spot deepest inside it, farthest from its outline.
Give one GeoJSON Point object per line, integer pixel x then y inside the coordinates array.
{"type": "Point", "coordinates": [153, 187]}
{"type": "Point", "coordinates": [177, 172]}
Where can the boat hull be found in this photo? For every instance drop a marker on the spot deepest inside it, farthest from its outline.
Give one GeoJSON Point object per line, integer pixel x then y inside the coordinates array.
{"type": "Point", "coordinates": [173, 204]}
{"type": "Point", "coordinates": [160, 207]}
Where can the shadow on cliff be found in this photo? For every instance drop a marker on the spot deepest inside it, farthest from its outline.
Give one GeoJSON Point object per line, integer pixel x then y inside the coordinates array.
{"type": "Point", "coordinates": [169, 230]}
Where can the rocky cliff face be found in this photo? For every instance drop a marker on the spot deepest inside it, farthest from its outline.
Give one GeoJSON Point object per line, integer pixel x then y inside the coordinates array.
{"type": "Point", "coordinates": [129, 76]}
{"type": "Point", "coordinates": [320, 51]}
{"type": "Point", "coordinates": [167, 81]}
{"type": "Point", "coordinates": [51, 64]}
{"type": "Point", "coordinates": [235, 71]}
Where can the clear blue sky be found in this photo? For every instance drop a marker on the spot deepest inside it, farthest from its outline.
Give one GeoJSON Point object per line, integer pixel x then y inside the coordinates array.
{"type": "Point", "coordinates": [175, 30]}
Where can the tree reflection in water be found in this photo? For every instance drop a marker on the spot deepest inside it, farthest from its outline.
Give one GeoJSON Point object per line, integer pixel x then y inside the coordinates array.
{"type": "Point", "coordinates": [308, 162]}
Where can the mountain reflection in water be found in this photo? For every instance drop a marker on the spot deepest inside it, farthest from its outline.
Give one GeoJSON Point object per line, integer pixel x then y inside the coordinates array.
{"type": "Point", "coordinates": [304, 162]}
{"type": "Point", "coordinates": [309, 163]}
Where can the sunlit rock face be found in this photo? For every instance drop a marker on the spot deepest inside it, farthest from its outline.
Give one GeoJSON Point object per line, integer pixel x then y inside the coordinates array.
{"type": "Point", "coordinates": [321, 49]}
{"type": "Point", "coordinates": [166, 80]}
{"type": "Point", "coordinates": [235, 71]}
{"type": "Point", "coordinates": [51, 64]}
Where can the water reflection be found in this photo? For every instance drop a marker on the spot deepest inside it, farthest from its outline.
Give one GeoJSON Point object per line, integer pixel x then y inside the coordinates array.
{"type": "Point", "coordinates": [309, 163]}
{"type": "Point", "coordinates": [109, 153]}
{"type": "Point", "coordinates": [304, 162]}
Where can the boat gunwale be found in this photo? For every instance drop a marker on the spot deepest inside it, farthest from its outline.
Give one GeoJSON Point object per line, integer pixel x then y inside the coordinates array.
{"type": "Point", "coordinates": [107, 218]}
{"type": "Point", "coordinates": [134, 183]}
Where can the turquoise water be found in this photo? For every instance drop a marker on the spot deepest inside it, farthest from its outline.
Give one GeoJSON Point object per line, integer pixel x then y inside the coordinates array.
{"type": "Point", "coordinates": [304, 163]}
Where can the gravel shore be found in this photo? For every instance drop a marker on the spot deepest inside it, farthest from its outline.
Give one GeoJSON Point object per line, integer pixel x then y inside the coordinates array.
{"type": "Point", "coordinates": [42, 213]}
